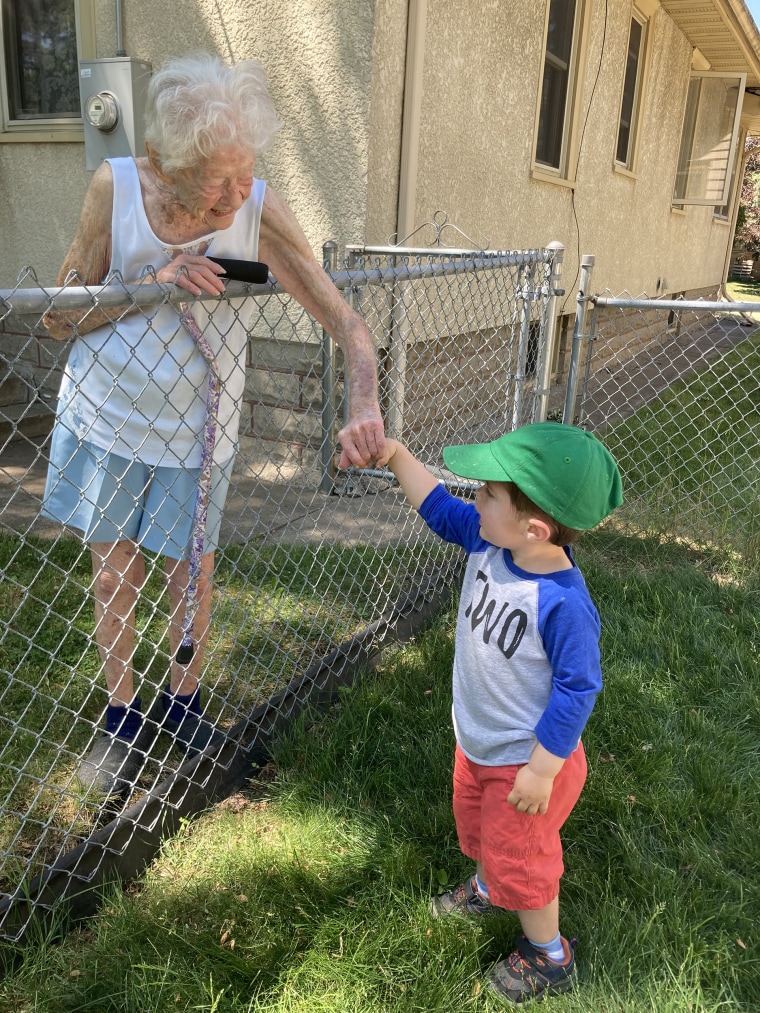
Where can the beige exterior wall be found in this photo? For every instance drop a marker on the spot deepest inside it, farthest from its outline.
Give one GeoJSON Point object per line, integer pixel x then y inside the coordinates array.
{"type": "Point", "coordinates": [336, 71]}
{"type": "Point", "coordinates": [318, 57]}
{"type": "Point", "coordinates": [481, 82]}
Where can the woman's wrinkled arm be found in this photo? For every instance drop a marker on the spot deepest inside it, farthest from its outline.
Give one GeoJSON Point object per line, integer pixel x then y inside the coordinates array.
{"type": "Point", "coordinates": [88, 259]}
{"type": "Point", "coordinates": [284, 247]}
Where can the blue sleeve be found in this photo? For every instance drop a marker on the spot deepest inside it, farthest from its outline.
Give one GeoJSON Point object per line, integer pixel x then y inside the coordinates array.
{"type": "Point", "coordinates": [452, 519]}
{"type": "Point", "coordinates": [570, 631]}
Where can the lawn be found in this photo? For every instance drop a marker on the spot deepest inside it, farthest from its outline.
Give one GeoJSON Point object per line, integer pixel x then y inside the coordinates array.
{"type": "Point", "coordinates": [309, 891]}
{"type": "Point", "coordinates": [690, 457]}
{"type": "Point", "coordinates": [277, 608]}
{"type": "Point", "coordinates": [743, 289]}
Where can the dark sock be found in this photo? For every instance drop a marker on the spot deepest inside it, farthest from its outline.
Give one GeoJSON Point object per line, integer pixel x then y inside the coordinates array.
{"type": "Point", "coordinates": [179, 705]}
{"type": "Point", "coordinates": [124, 721]}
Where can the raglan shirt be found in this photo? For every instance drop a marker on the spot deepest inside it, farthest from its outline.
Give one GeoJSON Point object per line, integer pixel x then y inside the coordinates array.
{"type": "Point", "coordinates": [526, 663]}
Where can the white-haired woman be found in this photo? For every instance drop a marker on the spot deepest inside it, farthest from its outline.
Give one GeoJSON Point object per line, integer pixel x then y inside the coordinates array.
{"type": "Point", "coordinates": [126, 447]}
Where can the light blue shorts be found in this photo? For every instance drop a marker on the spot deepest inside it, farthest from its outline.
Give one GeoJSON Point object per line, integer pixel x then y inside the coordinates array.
{"type": "Point", "coordinates": [111, 499]}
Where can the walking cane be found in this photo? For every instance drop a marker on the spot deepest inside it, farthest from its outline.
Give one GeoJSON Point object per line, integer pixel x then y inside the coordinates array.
{"type": "Point", "coordinates": [253, 273]}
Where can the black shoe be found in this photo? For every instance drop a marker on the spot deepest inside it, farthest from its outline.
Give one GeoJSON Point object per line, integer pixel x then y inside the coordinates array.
{"type": "Point", "coordinates": [114, 764]}
{"type": "Point", "coordinates": [462, 900]}
{"type": "Point", "coordinates": [529, 973]}
{"type": "Point", "coordinates": [194, 733]}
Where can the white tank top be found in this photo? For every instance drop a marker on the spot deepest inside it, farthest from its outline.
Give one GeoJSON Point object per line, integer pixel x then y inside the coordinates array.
{"type": "Point", "coordinates": [138, 387]}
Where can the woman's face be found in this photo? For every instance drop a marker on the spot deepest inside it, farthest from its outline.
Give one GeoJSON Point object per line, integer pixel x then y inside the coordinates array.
{"type": "Point", "coordinates": [215, 190]}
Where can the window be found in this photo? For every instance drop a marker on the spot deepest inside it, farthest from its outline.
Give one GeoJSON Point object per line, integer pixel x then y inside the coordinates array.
{"type": "Point", "coordinates": [42, 43]}
{"type": "Point", "coordinates": [560, 86]}
{"type": "Point", "coordinates": [709, 138]}
{"type": "Point", "coordinates": [630, 108]}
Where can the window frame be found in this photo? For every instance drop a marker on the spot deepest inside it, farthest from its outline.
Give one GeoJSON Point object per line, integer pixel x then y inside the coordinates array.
{"type": "Point", "coordinates": [734, 186]}
{"type": "Point", "coordinates": [682, 202]}
{"type": "Point", "coordinates": [64, 129]}
{"type": "Point", "coordinates": [564, 175]}
{"type": "Point", "coordinates": [630, 166]}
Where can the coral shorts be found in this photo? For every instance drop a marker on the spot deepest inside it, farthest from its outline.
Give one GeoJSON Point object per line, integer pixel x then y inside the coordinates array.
{"type": "Point", "coordinates": [521, 855]}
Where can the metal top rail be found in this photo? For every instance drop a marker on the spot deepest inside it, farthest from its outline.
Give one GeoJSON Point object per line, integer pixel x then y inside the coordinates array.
{"type": "Point", "coordinates": [115, 292]}
{"type": "Point", "coordinates": [449, 251]}
{"type": "Point", "coordinates": [723, 306]}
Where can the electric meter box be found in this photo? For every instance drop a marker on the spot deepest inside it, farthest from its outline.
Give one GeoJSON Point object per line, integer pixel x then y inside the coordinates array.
{"type": "Point", "coordinates": [113, 92]}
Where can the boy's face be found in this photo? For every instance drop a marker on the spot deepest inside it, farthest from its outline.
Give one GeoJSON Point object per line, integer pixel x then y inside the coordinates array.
{"type": "Point", "coordinates": [500, 524]}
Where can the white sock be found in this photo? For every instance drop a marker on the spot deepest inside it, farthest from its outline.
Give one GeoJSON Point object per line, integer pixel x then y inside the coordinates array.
{"type": "Point", "coordinates": [481, 887]}
{"type": "Point", "coordinates": [553, 949]}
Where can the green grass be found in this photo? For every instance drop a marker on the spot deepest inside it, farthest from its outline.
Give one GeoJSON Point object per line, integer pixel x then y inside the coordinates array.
{"type": "Point", "coordinates": [743, 290]}
{"type": "Point", "coordinates": [690, 458]}
{"type": "Point", "coordinates": [309, 891]}
{"type": "Point", "coordinates": [277, 608]}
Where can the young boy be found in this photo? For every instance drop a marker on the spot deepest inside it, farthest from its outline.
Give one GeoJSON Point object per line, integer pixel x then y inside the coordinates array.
{"type": "Point", "coordinates": [526, 673]}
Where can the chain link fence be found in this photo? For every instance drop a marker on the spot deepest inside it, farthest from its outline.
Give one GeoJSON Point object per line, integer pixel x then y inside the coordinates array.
{"type": "Point", "coordinates": [673, 388]}
{"type": "Point", "coordinates": [315, 569]}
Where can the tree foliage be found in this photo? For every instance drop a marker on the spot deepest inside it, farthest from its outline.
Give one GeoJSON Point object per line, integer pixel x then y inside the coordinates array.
{"type": "Point", "coordinates": [747, 236]}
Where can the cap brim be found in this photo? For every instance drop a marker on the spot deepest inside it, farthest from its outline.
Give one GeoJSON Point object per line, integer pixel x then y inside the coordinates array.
{"type": "Point", "coordinates": [475, 461]}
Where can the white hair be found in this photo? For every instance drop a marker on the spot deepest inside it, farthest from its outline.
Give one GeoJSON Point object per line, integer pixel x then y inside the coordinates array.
{"type": "Point", "coordinates": [197, 104]}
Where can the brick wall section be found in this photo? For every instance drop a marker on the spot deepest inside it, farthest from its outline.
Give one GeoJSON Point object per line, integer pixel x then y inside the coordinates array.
{"type": "Point", "coordinates": [281, 418]}
{"type": "Point", "coordinates": [455, 384]}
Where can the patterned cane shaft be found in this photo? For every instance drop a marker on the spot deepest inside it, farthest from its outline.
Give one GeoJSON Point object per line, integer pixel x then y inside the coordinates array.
{"type": "Point", "coordinates": [200, 511]}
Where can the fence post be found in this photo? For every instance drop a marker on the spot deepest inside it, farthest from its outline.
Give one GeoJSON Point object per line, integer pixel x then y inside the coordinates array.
{"type": "Point", "coordinates": [579, 335]}
{"type": "Point", "coordinates": [525, 295]}
{"type": "Point", "coordinates": [330, 263]}
{"type": "Point", "coordinates": [394, 419]}
{"type": "Point", "coordinates": [351, 261]}
{"type": "Point", "coordinates": [551, 319]}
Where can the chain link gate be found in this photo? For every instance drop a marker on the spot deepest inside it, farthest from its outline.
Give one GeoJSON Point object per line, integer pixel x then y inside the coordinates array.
{"type": "Point", "coordinates": [672, 386]}
{"type": "Point", "coordinates": [315, 568]}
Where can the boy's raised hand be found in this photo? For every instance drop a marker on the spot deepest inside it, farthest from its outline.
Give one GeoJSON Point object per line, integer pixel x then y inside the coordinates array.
{"type": "Point", "coordinates": [413, 477]}
{"type": "Point", "coordinates": [390, 449]}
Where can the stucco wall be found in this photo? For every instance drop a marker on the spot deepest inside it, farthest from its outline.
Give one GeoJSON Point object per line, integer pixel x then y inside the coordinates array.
{"type": "Point", "coordinates": [318, 56]}
{"type": "Point", "coordinates": [336, 71]}
{"type": "Point", "coordinates": [480, 88]}
{"type": "Point", "coordinates": [386, 109]}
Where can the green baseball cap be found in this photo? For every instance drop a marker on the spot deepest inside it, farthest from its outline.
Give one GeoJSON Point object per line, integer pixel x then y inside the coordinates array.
{"type": "Point", "coordinates": [564, 470]}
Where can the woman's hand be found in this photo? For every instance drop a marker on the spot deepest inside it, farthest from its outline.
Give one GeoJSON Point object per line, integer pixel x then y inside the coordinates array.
{"type": "Point", "coordinates": [195, 273]}
{"type": "Point", "coordinates": [362, 441]}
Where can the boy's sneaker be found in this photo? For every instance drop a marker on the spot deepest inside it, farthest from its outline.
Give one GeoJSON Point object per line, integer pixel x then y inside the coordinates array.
{"type": "Point", "coordinates": [529, 973]}
{"type": "Point", "coordinates": [462, 900]}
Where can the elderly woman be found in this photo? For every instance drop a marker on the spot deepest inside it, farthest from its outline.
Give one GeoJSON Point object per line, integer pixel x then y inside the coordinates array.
{"type": "Point", "coordinates": [127, 444]}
